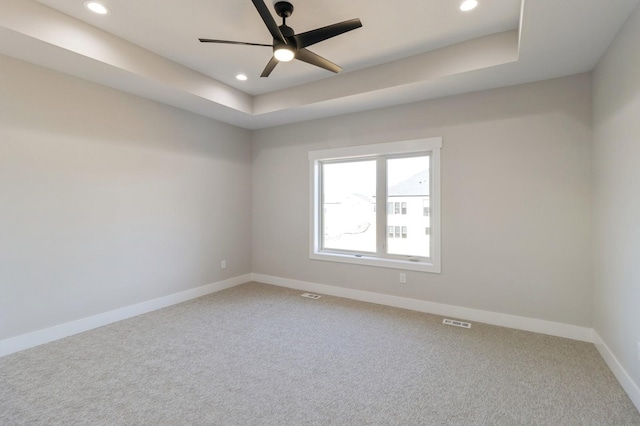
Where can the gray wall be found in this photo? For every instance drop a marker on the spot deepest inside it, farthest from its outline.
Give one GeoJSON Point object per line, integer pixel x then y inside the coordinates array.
{"type": "Point", "coordinates": [516, 199]}
{"type": "Point", "coordinates": [107, 200]}
{"type": "Point", "coordinates": [616, 162]}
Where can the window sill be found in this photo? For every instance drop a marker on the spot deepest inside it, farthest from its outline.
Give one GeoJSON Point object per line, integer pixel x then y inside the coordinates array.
{"type": "Point", "coordinates": [406, 265]}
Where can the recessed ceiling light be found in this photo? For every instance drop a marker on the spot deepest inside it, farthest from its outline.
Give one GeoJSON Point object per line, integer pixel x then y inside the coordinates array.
{"type": "Point", "coordinates": [468, 5]}
{"type": "Point", "coordinates": [241, 77]}
{"type": "Point", "coordinates": [96, 7]}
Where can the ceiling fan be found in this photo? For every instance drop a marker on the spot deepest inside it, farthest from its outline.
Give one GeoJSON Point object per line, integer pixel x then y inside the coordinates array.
{"type": "Point", "coordinates": [287, 45]}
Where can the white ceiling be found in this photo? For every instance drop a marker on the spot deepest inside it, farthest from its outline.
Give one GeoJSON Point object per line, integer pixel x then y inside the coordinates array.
{"type": "Point", "coordinates": [406, 51]}
{"type": "Point", "coordinates": [172, 28]}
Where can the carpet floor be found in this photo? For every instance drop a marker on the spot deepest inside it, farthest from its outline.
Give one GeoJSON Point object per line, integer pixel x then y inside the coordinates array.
{"type": "Point", "coordinates": [262, 355]}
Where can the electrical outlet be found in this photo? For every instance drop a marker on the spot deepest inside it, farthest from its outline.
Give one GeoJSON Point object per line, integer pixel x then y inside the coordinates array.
{"type": "Point", "coordinates": [403, 277]}
{"type": "Point", "coordinates": [223, 264]}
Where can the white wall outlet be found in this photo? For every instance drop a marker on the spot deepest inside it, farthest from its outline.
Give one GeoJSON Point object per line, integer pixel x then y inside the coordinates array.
{"type": "Point", "coordinates": [403, 277]}
{"type": "Point", "coordinates": [223, 264]}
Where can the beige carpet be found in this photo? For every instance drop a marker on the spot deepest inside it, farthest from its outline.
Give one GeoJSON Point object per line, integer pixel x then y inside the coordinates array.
{"type": "Point", "coordinates": [262, 355]}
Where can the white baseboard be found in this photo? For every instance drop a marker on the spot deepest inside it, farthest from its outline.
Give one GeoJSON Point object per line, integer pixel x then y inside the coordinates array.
{"type": "Point", "coordinates": [627, 383]}
{"type": "Point", "coordinates": [494, 318]}
{"type": "Point", "coordinates": [26, 341]}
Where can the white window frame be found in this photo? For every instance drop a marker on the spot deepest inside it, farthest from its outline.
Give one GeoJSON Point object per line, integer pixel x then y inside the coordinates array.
{"type": "Point", "coordinates": [431, 146]}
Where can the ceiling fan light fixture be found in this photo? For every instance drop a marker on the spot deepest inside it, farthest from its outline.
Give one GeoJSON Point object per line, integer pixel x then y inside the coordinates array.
{"type": "Point", "coordinates": [468, 5]}
{"type": "Point", "coordinates": [287, 45]}
{"type": "Point", "coordinates": [96, 7]}
{"type": "Point", "coordinates": [284, 53]}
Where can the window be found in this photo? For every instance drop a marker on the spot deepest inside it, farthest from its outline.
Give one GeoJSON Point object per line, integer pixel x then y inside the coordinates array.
{"type": "Point", "coordinates": [357, 193]}
{"type": "Point", "coordinates": [348, 220]}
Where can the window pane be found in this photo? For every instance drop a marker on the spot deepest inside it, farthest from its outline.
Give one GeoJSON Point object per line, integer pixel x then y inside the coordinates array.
{"type": "Point", "coordinates": [408, 187]}
{"type": "Point", "coordinates": [348, 197]}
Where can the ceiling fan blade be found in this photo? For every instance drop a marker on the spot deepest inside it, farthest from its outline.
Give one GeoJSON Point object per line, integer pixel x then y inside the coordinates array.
{"type": "Point", "coordinates": [270, 66]}
{"type": "Point", "coordinates": [311, 58]}
{"type": "Point", "coordinates": [320, 34]}
{"type": "Point", "coordinates": [269, 21]}
{"type": "Point", "coordinates": [208, 40]}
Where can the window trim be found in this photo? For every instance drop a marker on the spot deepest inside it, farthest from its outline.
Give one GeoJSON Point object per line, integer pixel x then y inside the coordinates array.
{"type": "Point", "coordinates": [431, 146]}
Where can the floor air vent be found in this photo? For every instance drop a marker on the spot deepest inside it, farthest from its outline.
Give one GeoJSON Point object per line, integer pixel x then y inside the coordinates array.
{"type": "Point", "coordinates": [311, 296]}
{"type": "Point", "coordinates": [456, 323]}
